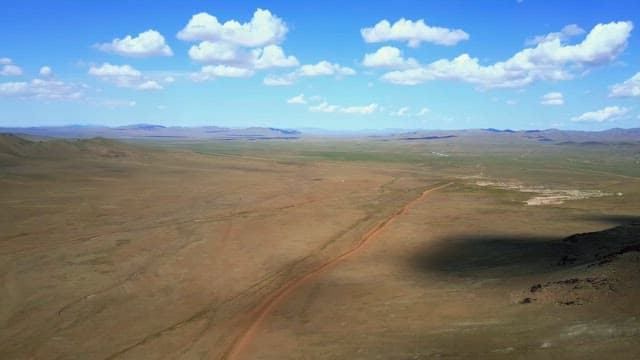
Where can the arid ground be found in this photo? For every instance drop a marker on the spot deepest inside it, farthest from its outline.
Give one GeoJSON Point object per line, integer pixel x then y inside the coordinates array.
{"type": "Point", "coordinates": [319, 249]}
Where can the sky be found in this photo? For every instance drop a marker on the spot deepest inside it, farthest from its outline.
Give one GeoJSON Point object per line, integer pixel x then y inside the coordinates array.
{"type": "Point", "coordinates": [339, 65]}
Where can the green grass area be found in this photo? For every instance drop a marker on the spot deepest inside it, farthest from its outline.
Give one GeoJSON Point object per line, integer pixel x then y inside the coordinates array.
{"type": "Point", "coordinates": [534, 162]}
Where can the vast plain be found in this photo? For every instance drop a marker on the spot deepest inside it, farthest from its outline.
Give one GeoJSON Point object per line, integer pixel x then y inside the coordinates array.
{"type": "Point", "coordinates": [491, 245]}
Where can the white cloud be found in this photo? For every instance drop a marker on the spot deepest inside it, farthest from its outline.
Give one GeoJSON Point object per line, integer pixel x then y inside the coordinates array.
{"type": "Point", "coordinates": [124, 76]}
{"type": "Point", "coordinates": [10, 70]}
{"type": "Point", "coordinates": [117, 103]}
{"type": "Point", "coordinates": [424, 111]}
{"type": "Point", "coordinates": [609, 113]}
{"type": "Point", "coordinates": [547, 61]}
{"type": "Point", "coordinates": [564, 34]}
{"type": "Point", "coordinates": [263, 29]}
{"type": "Point", "coordinates": [45, 71]}
{"type": "Point", "coordinates": [210, 72]}
{"type": "Point", "coordinates": [329, 108]}
{"type": "Point", "coordinates": [388, 57]}
{"type": "Point", "coordinates": [5, 61]}
{"type": "Point", "coordinates": [218, 52]}
{"type": "Point", "coordinates": [323, 107]}
{"type": "Point", "coordinates": [297, 100]}
{"type": "Point", "coordinates": [149, 85]}
{"type": "Point", "coordinates": [400, 112]}
{"type": "Point", "coordinates": [552, 98]}
{"type": "Point", "coordinates": [148, 43]}
{"type": "Point", "coordinates": [413, 33]}
{"type": "Point", "coordinates": [42, 89]}
{"type": "Point", "coordinates": [109, 70]}
{"type": "Point", "coordinates": [324, 68]}
{"type": "Point", "coordinates": [169, 79]}
{"type": "Point", "coordinates": [629, 88]}
{"type": "Point", "coordinates": [272, 56]}
{"type": "Point", "coordinates": [276, 80]}
{"type": "Point", "coordinates": [364, 110]}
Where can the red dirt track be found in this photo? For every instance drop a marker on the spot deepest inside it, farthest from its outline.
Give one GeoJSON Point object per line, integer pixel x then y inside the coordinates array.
{"type": "Point", "coordinates": [271, 303]}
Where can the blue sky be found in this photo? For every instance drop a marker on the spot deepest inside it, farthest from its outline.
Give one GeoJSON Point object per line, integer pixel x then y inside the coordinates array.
{"type": "Point", "coordinates": [323, 64]}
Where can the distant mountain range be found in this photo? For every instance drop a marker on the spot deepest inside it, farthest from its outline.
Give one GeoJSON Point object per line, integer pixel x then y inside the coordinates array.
{"type": "Point", "coordinates": [152, 131]}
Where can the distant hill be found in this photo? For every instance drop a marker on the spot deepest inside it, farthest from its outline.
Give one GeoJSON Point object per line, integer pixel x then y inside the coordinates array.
{"type": "Point", "coordinates": [489, 135]}
{"type": "Point", "coordinates": [151, 131]}
{"type": "Point", "coordinates": [554, 136]}
{"type": "Point", "coordinates": [13, 147]}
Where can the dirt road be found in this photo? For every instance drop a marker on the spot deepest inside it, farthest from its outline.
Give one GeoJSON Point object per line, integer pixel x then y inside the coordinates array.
{"type": "Point", "coordinates": [262, 311]}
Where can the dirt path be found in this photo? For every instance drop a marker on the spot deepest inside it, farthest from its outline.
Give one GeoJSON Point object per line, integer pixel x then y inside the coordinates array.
{"type": "Point", "coordinates": [269, 305]}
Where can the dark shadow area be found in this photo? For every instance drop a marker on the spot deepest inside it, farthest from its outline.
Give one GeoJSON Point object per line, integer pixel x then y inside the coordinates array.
{"type": "Point", "coordinates": [613, 219]}
{"type": "Point", "coordinates": [499, 256]}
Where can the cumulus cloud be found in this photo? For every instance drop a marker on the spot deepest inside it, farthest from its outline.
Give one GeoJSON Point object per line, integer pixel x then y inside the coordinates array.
{"type": "Point", "coordinates": [297, 100]}
{"type": "Point", "coordinates": [329, 108]}
{"type": "Point", "coordinates": [628, 88]}
{"type": "Point", "coordinates": [149, 85]}
{"type": "Point", "coordinates": [45, 71]}
{"type": "Point", "coordinates": [388, 57]}
{"type": "Point", "coordinates": [322, 68]}
{"type": "Point", "coordinates": [552, 98]}
{"type": "Point", "coordinates": [563, 35]}
{"type": "Point", "coordinates": [124, 76]}
{"type": "Point", "coordinates": [364, 110]}
{"type": "Point", "coordinates": [323, 107]}
{"type": "Point", "coordinates": [42, 89]}
{"type": "Point", "coordinates": [9, 68]}
{"type": "Point", "coordinates": [549, 60]}
{"type": "Point", "coordinates": [272, 56]}
{"type": "Point", "coordinates": [277, 80]}
{"type": "Point", "coordinates": [221, 52]}
{"type": "Point", "coordinates": [609, 113]}
{"type": "Point", "coordinates": [424, 111]}
{"type": "Point", "coordinates": [211, 72]}
{"type": "Point", "coordinates": [413, 33]}
{"type": "Point", "coordinates": [250, 46]}
{"type": "Point", "coordinates": [400, 112]}
{"type": "Point", "coordinates": [263, 29]}
{"type": "Point", "coordinates": [148, 43]}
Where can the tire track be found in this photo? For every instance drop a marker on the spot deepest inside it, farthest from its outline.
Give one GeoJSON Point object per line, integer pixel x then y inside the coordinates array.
{"type": "Point", "coordinates": [271, 303]}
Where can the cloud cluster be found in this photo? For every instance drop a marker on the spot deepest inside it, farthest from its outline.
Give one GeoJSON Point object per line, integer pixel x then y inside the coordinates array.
{"type": "Point", "coordinates": [124, 76]}
{"type": "Point", "coordinates": [323, 106]}
{"type": "Point", "coordinates": [552, 98]}
{"type": "Point", "coordinates": [148, 43]}
{"type": "Point", "coordinates": [329, 108]}
{"type": "Point", "coordinates": [42, 89]}
{"type": "Point", "coordinates": [241, 49]}
{"type": "Point", "coordinates": [628, 88]}
{"type": "Point", "coordinates": [413, 32]}
{"type": "Point", "coordinates": [234, 48]}
{"type": "Point", "coordinates": [548, 60]}
{"type": "Point", "coordinates": [405, 112]}
{"type": "Point", "coordinates": [263, 29]}
{"type": "Point", "coordinates": [210, 72]}
{"type": "Point", "coordinates": [609, 113]}
{"type": "Point", "coordinates": [9, 68]}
